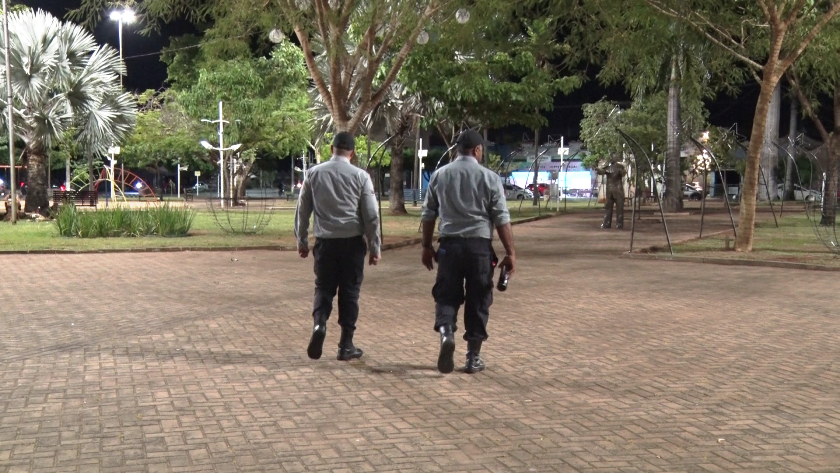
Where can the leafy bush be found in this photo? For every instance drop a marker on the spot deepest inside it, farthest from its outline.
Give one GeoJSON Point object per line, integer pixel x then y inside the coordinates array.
{"type": "Point", "coordinates": [162, 221]}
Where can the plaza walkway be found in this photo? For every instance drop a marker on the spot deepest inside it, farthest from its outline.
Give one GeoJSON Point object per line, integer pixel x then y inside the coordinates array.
{"type": "Point", "coordinates": [197, 362]}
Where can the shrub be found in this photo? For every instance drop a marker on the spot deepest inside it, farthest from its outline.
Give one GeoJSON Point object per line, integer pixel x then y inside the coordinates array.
{"type": "Point", "coordinates": [162, 221]}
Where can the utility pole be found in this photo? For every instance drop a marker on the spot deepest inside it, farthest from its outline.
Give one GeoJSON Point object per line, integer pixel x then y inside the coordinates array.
{"type": "Point", "coordinates": [10, 119]}
{"type": "Point", "coordinates": [221, 149]}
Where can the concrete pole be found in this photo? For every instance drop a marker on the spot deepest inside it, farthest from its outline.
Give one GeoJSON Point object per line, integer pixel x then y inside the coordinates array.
{"type": "Point", "coordinates": [9, 109]}
{"type": "Point", "coordinates": [222, 155]}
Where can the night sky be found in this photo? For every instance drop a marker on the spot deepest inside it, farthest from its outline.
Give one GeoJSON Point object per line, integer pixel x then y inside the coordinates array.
{"type": "Point", "coordinates": [145, 71]}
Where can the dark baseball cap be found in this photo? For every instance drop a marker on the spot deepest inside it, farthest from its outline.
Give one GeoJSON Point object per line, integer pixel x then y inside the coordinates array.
{"type": "Point", "coordinates": [469, 139]}
{"type": "Point", "coordinates": [344, 140]}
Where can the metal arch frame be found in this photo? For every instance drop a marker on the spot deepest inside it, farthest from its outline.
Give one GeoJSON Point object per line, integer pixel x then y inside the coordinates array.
{"type": "Point", "coordinates": [725, 191]}
{"type": "Point", "coordinates": [535, 171]}
{"type": "Point", "coordinates": [798, 177]}
{"type": "Point", "coordinates": [379, 175]}
{"type": "Point", "coordinates": [635, 148]}
{"type": "Point", "coordinates": [766, 185]}
{"type": "Point", "coordinates": [832, 245]}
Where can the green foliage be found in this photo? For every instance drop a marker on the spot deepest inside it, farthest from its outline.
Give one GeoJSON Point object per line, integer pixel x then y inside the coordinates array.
{"type": "Point", "coordinates": [634, 47]}
{"type": "Point", "coordinates": [65, 83]}
{"type": "Point", "coordinates": [645, 121]}
{"type": "Point", "coordinates": [163, 134]}
{"type": "Point", "coordinates": [265, 98]}
{"type": "Point", "coordinates": [382, 158]}
{"type": "Point", "coordinates": [493, 162]}
{"type": "Point", "coordinates": [164, 221]}
{"type": "Point", "coordinates": [496, 70]}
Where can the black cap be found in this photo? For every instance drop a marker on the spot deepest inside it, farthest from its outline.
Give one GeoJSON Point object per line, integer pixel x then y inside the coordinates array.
{"type": "Point", "coordinates": [470, 139]}
{"type": "Point", "coordinates": [344, 140]}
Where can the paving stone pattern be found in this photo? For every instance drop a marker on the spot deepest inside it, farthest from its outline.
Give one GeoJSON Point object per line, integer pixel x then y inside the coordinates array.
{"type": "Point", "coordinates": [197, 362]}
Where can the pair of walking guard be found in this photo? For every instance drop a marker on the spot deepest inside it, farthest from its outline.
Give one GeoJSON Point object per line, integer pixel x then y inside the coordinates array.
{"type": "Point", "coordinates": [469, 200]}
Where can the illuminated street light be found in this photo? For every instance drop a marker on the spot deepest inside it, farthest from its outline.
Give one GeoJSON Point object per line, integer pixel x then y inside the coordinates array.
{"type": "Point", "coordinates": [127, 17]}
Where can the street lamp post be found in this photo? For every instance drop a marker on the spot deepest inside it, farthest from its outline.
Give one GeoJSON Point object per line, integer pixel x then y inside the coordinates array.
{"type": "Point", "coordinates": [113, 151]}
{"type": "Point", "coordinates": [127, 17]}
{"type": "Point", "coordinates": [221, 149]}
{"type": "Point", "coordinates": [181, 168]}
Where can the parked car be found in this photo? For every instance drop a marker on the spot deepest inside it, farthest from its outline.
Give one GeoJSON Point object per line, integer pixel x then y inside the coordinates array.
{"type": "Point", "coordinates": [518, 193]}
{"type": "Point", "coordinates": [201, 186]}
{"type": "Point", "coordinates": [800, 193]}
{"type": "Point", "coordinates": [691, 193]}
{"type": "Point", "coordinates": [541, 186]}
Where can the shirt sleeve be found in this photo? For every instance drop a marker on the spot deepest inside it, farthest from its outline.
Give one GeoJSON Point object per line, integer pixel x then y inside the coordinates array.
{"type": "Point", "coordinates": [431, 203]}
{"type": "Point", "coordinates": [303, 213]}
{"type": "Point", "coordinates": [498, 204]}
{"type": "Point", "coordinates": [370, 215]}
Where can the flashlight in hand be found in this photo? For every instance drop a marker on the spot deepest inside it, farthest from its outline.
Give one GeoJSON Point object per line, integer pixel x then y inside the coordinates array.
{"type": "Point", "coordinates": [503, 279]}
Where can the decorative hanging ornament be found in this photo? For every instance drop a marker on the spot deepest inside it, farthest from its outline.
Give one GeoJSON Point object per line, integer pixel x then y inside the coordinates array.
{"type": "Point", "coordinates": [462, 15]}
{"type": "Point", "coordinates": [423, 37]}
{"type": "Point", "coordinates": [276, 36]}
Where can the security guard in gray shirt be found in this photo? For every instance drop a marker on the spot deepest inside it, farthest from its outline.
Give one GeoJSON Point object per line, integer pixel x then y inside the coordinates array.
{"type": "Point", "coordinates": [342, 198]}
{"type": "Point", "coordinates": [470, 201]}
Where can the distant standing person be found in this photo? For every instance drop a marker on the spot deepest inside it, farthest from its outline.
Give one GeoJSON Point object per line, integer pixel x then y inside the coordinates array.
{"type": "Point", "coordinates": [615, 192]}
{"type": "Point", "coordinates": [470, 201]}
{"type": "Point", "coordinates": [342, 199]}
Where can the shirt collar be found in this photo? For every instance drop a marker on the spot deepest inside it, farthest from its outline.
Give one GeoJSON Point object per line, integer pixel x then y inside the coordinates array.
{"type": "Point", "coordinates": [345, 159]}
{"type": "Point", "coordinates": [467, 158]}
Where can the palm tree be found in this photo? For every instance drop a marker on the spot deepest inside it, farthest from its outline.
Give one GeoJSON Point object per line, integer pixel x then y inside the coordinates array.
{"type": "Point", "coordinates": [61, 79]}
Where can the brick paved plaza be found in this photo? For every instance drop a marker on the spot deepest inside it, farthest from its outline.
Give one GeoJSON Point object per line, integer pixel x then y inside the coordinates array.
{"type": "Point", "coordinates": [197, 362]}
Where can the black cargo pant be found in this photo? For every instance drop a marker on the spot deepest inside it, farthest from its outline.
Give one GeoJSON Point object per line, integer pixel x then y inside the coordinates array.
{"type": "Point", "coordinates": [615, 197]}
{"type": "Point", "coordinates": [465, 276]}
{"type": "Point", "coordinates": [339, 266]}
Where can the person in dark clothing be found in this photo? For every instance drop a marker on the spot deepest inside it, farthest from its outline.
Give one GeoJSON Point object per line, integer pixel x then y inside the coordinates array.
{"type": "Point", "coordinates": [615, 173]}
{"type": "Point", "coordinates": [341, 197]}
{"type": "Point", "coordinates": [470, 201]}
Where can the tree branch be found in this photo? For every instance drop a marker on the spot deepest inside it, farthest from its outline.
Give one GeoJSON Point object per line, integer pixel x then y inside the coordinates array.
{"type": "Point", "coordinates": [656, 5]}
{"type": "Point", "coordinates": [791, 17]}
{"type": "Point", "coordinates": [815, 30]}
{"type": "Point", "coordinates": [806, 103]}
{"type": "Point", "coordinates": [404, 51]}
{"type": "Point", "coordinates": [317, 78]}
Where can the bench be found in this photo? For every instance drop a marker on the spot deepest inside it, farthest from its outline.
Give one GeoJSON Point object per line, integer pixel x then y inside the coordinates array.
{"type": "Point", "coordinates": [189, 195]}
{"type": "Point", "coordinates": [79, 198]}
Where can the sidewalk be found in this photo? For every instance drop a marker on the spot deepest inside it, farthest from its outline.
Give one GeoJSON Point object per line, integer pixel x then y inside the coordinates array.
{"type": "Point", "coordinates": [196, 361]}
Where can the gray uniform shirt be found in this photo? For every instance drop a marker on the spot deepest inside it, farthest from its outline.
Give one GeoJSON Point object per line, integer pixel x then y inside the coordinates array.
{"type": "Point", "coordinates": [342, 198]}
{"type": "Point", "coordinates": [469, 199]}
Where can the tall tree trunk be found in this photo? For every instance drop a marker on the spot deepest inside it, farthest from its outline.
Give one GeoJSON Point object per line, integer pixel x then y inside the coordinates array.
{"type": "Point", "coordinates": [37, 200]}
{"type": "Point", "coordinates": [829, 193]}
{"type": "Point", "coordinates": [746, 224]}
{"type": "Point", "coordinates": [829, 198]}
{"type": "Point", "coordinates": [769, 152]}
{"type": "Point", "coordinates": [397, 197]}
{"type": "Point", "coordinates": [672, 199]}
{"type": "Point", "coordinates": [789, 166]}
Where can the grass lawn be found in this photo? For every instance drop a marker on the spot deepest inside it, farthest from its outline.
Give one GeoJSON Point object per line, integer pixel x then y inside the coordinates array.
{"type": "Point", "coordinates": [205, 233]}
{"type": "Point", "coordinates": [794, 241]}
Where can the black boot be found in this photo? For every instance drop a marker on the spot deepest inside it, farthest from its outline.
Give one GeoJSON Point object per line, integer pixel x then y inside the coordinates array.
{"type": "Point", "coordinates": [474, 362]}
{"type": "Point", "coordinates": [316, 343]}
{"type": "Point", "coordinates": [447, 348]}
{"type": "Point", "coordinates": [346, 350]}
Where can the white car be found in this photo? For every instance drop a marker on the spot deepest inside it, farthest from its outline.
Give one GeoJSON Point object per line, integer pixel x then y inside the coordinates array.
{"type": "Point", "coordinates": [516, 192]}
{"type": "Point", "coordinates": [800, 193]}
{"type": "Point", "coordinates": [201, 186]}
